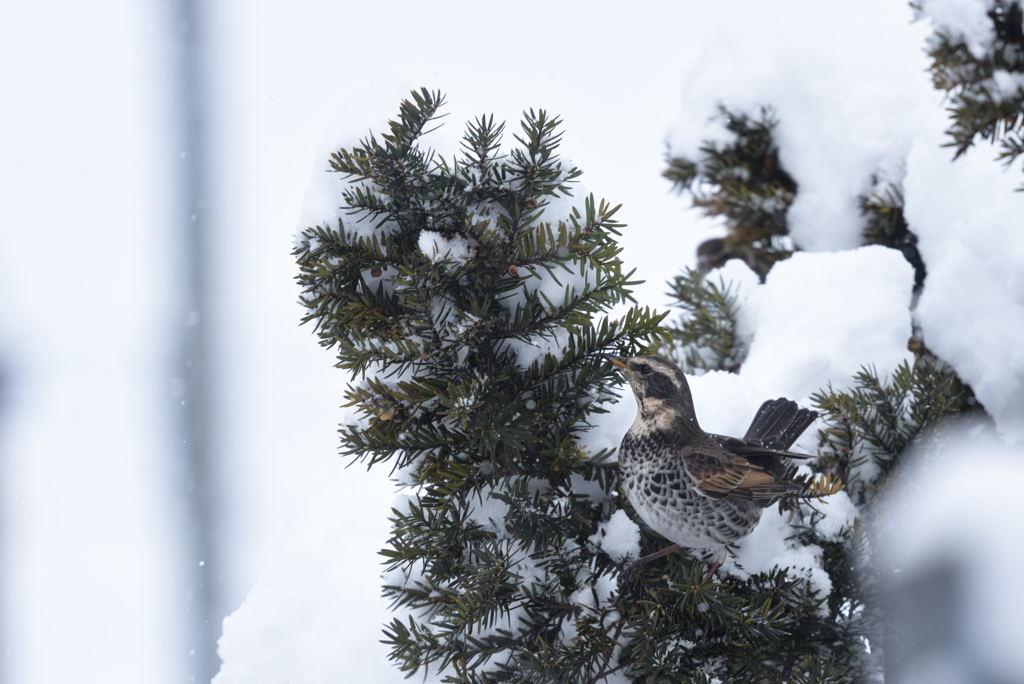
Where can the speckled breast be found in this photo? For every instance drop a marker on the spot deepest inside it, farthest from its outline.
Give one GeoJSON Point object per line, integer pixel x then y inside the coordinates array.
{"type": "Point", "coordinates": [663, 494]}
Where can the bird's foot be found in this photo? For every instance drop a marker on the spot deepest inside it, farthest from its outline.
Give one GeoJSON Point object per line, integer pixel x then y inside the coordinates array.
{"type": "Point", "coordinates": [658, 554]}
{"type": "Point", "coordinates": [630, 576]}
{"type": "Point", "coordinates": [714, 563]}
{"type": "Point", "coordinates": [709, 574]}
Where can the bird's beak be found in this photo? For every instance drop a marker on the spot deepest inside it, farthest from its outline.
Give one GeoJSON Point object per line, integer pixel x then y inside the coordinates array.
{"type": "Point", "coordinates": [616, 361]}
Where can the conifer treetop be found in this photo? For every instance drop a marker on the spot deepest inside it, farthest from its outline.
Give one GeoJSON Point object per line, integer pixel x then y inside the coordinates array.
{"type": "Point", "coordinates": [472, 295]}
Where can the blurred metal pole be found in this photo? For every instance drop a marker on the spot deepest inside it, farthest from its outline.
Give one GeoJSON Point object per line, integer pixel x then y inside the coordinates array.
{"type": "Point", "coordinates": [201, 560]}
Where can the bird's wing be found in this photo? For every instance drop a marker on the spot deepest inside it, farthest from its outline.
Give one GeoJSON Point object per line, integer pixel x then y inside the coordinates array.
{"type": "Point", "coordinates": [719, 474]}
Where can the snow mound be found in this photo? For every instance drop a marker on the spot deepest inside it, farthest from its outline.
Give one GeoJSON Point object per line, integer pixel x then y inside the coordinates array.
{"type": "Point", "coordinates": [820, 317]}
{"type": "Point", "coordinates": [297, 623]}
{"type": "Point", "coordinates": [618, 536]}
{"type": "Point", "coordinates": [952, 521]}
{"type": "Point", "coordinates": [857, 111]}
{"type": "Point", "coordinates": [964, 19]}
{"type": "Point", "coordinates": [768, 547]}
{"type": "Point", "coordinates": [437, 247]}
{"type": "Point", "coordinates": [838, 513]}
{"type": "Point", "coordinates": [971, 311]}
{"type": "Point", "coordinates": [847, 101]}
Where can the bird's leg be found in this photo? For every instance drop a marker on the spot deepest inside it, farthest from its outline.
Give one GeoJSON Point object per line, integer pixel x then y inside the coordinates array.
{"type": "Point", "coordinates": [631, 574]}
{"type": "Point", "coordinates": [657, 554]}
{"type": "Point", "coordinates": [716, 562]}
{"type": "Point", "coordinates": [709, 574]}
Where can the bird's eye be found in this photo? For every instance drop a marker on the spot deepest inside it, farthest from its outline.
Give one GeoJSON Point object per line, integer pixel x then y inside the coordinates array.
{"type": "Point", "coordinates": [644, 370]}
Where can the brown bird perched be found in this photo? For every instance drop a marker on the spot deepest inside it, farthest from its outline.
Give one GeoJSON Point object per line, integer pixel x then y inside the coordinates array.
{"type": "Point", "coordinates": [700, 490]}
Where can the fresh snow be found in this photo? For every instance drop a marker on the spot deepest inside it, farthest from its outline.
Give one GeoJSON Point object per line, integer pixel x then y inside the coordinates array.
{"type": "Point", "coordinates": [1007, 84]}
{"type": "Point", "coordinates": [768, 547]}
{"type": "Point", "coordinates": [594, 594]}
{"type": "Point", "coordinates": [972, 308]}
{"type": "Point", "coordinates": [821, 316]}
{"type": "Point", "coordinates": [488, 512]}
{"type": "Point", "coordinates": [618, 536]}
{"type": "Point", "coordinates": [439, 248]}
{"type": "Point", "coordinates": [610, 427]}
{"type": "Point", "coordinates": [838, 513]}
{"type": "Point", "coordinates": [954, 515]}
{"type": "Point", "coordinates": [535, 347]}
{"type": "Point", "coordinates": [302, 622]}
{"type": "Point", "coordinates": [856, 110]}
{"type": "Point", "coordinates": [964, 19]}
{"type": "Point", "coordinates": [846, 83]}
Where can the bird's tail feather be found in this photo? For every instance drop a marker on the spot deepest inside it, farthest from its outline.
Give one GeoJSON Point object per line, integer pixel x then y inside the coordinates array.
{"type": "Point", "coordinates": [778, 423]}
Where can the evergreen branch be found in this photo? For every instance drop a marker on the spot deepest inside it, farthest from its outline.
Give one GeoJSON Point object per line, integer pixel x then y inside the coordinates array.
{"type": "Point", "coordinates": [743, 182]}
{"type": "Point", "coordinates": [980, 107]}
{"type": "Point", "coordinates": [879, 419]}
{"type": "Point", "coordinates": [704, 338]}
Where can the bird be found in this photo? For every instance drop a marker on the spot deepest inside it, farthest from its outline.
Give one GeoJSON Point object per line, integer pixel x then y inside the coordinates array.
{"type": "Point", "coordinates": [700, 490]}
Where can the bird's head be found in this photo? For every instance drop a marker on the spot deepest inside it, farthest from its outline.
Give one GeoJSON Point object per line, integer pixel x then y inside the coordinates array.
{"type": "Point", "coordinates": [662, 394]}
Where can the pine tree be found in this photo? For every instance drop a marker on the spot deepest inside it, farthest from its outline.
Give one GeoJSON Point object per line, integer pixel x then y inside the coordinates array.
{"type": "Point", "coordinates": [472, 295]}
